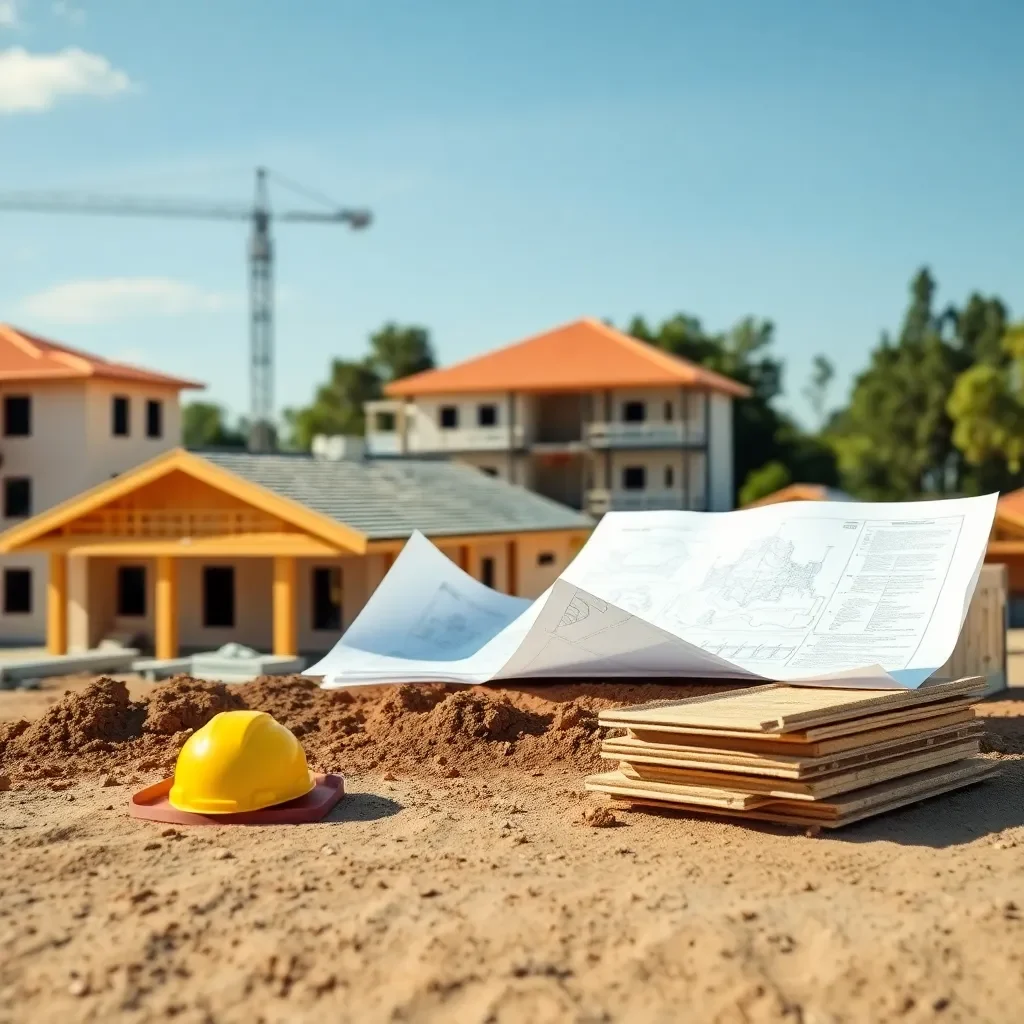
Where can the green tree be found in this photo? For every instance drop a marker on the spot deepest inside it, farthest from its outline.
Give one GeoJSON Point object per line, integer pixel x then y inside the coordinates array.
{"type": "Point", "coordinates": [894, 439]}
{"type": "Point", "coordinates": [337, 407]}
{"type": "Point", "coordinates": [397, 351]}
{"type": "Point", "coordinates": [987, 409]}
{"type": "Point", "coordinates": [767, 480]}
{"type": "Point", "coordinates": [204, 425]}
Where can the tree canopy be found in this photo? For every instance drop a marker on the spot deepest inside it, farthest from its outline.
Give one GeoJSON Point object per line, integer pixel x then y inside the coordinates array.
{"type": "Point", "coordinates": [337, 407]}
{"type": "Point", "coordinates": [204, 425]}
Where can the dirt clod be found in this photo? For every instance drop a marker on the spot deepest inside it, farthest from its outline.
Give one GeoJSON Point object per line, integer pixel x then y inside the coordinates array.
{"type": "Point", "coordinates": [599, 817]}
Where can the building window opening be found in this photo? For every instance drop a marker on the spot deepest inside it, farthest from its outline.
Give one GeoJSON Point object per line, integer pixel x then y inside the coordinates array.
{"type": "Point", "coordinates": [17, 591]}
{"type": "Point", "coordinates": [327, 598]}
{"type": "Point", "coordinates": [487, 572]}
{"type": "Point", "coordinates": [634, 478]}
{"type": "Point", "coordinates": [219, 596]}
{"type": "Point", "coordinates": [119, 412]}
{"type": "Point", "coordinates": [131, 591]}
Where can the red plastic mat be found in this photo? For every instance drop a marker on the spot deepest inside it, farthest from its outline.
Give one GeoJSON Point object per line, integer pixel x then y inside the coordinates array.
{"type": "Point", "coordinates": [153, 804]}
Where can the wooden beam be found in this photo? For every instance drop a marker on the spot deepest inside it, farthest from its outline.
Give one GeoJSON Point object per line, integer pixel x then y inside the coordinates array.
{"type": "Point", "coordinates": [166, 607]}
{"type": "Point", "coordinates": [255, 545]}
{"type": "Point", "coordinates": [285, 611]}
{"type": "Point", "coordinates": [512, 567]}
{"type": "Point", "coordinates": [464, 557]}
{"type": "Point", "coordinates": [57, 605]}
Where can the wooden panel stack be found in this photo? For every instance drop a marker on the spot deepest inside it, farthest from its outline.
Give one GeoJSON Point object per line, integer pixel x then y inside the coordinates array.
{"type": "Point", "coordinates": [796, 755]}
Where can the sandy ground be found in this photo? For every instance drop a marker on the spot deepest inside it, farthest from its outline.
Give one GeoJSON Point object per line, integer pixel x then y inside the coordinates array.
{"type": "Point", "coordinates": [484, 898]}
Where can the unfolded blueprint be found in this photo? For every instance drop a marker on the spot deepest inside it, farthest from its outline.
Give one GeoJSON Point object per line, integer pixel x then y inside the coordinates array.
{"type": "Point", "coordinates": [848, 594]}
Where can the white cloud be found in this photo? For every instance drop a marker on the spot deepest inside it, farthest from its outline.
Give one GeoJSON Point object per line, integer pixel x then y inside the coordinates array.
{"type": "Point", "coordinates": [106, 300]}
{"type": "Point", "coordinates": [8, 13]}
{"type": "Point", "coordinates": [32, 82]}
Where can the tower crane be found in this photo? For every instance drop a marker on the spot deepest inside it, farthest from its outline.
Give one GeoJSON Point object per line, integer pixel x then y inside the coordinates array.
{"type": "Point", "coordinates": [261, 262]}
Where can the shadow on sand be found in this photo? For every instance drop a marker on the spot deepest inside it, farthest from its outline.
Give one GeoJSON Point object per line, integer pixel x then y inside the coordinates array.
{"type": "Point", "coordinates": [363, 807]}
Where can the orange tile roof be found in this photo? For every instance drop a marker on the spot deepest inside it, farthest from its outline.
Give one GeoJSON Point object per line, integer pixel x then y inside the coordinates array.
{"type": "Point", "coordinates": [801, 492]}
{"type": "Point", "coordinates": [27, 357]}
{"type": "Point", "coordinates": [1011, 506]}
{"type": "Point", "coordinates": [585, 355]}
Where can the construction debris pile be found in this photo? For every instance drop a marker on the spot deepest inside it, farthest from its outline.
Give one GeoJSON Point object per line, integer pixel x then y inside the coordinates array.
{"type": "Point", "coordinates": [796, 755]}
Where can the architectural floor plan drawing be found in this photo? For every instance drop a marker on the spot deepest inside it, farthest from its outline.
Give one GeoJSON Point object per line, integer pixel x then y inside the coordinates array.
{"type": "Point", "coordinates": [764, 587]}
{"type": "Point", "coordinates": [843, 594]}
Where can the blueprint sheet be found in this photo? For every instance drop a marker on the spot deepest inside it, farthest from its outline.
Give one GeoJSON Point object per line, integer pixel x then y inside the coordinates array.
{"type": "Point", "coordinates": [841, 593]}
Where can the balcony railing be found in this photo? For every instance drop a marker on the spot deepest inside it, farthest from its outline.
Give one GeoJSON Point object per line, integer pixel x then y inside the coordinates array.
{"type": "Point", "coordinates": [600, 501]}
{"type": "Point", "coordinates": [458, 439]}
{"type": "Point", "coordinates": [644, 435]}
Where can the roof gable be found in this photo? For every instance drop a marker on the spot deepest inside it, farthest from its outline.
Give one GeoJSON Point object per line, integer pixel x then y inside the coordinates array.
{"type": "Point", "coordinates": [191, 489]}
{"type": "Point", "coordinates": [27, 357]}
{"type": "Point", "coordinates": [581, 356]}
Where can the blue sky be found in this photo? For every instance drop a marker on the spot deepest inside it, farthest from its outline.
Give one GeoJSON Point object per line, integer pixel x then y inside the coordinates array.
{"type": "Point", "coordinates": [527, 162]}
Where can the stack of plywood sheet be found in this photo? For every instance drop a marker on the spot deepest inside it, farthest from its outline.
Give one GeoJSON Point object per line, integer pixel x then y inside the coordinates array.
{"type": "Point", "coordinates": [795, 754]}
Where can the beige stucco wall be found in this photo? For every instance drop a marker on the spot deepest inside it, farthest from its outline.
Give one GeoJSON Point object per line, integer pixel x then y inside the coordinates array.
{"type": "Point", "coordinates": [71, 449]}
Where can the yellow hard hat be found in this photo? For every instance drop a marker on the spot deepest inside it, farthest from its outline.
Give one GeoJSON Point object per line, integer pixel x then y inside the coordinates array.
{"type": "Point", "coordinates": [239, 761]}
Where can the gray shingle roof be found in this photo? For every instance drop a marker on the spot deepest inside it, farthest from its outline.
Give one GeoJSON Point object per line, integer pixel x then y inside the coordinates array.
{"type": "Point", "coordinates": [392, 498]}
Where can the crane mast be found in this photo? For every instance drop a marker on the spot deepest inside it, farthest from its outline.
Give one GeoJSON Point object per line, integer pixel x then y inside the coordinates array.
{"type": "Point", "coordinates": [262, 433]}
{"type": "Point", "coordinates": [261, 322]}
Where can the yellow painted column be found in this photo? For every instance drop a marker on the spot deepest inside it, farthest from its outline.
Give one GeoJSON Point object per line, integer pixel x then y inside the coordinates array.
{"type": "Point", "coordinates": [285, 611]}
{"type": "Point", "coordinates": [166, 607]}
{"type": "Point", "coordinates": [57, 605]}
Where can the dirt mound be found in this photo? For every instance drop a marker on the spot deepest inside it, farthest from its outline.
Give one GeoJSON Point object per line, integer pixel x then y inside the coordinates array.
{"type": "Point", "coordinates": [188, 704]}
{"type": "Point", "coordinates": [408, 729]}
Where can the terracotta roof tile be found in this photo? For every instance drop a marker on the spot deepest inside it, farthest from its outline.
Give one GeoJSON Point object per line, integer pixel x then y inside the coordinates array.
{"type": "Point", "coordinates": [27, 357]}
{"type": "Point", "coordinates": [801, 492]}
{"type": "Point", "coordinates": [585, 355]}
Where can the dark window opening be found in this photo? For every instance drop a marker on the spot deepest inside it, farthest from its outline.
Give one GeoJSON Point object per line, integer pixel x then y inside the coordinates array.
{"type": "Point", "coordinates": [489, 470]}
{"type": "Point", "coordinates": [668, 412]}
{"type": "Point", "coordinates": [449, 417]}
{"type": "Point", "coordinates": [17, 497]}
{"type": "Point", "coordinates": [669, 477]}
{"type": "Point", "coordinates": [546, 558]}
{"type": "Point", "coordinates": [634, 412]}
{"type": "Point", "coordinates": [634, 478]}
{"type": "Point", "coordinates": [219, 596]}
{"type": "Point", "coordinates": [487, 571]}
{"type": "Point", "coordinates": [17, 416]}
{"type": "Point", "coordinates": [487, 415]}
{"type": "Point", "coordinates": [18, 591]}
{"type": "Point", "coordinates": [327, 598]}
{"type": "Point", "coordinates": [154, 418]}
{"type": "Point", "coordinates": [119, 409]}
{"type": "Point", "coordinates": [386, 422]}
{"type": "Point", "coordinates": [131, 591]}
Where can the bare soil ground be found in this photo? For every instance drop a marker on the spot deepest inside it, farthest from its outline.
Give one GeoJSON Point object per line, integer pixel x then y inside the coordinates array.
{"type": "Point", "coordinates": [459, 880]}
